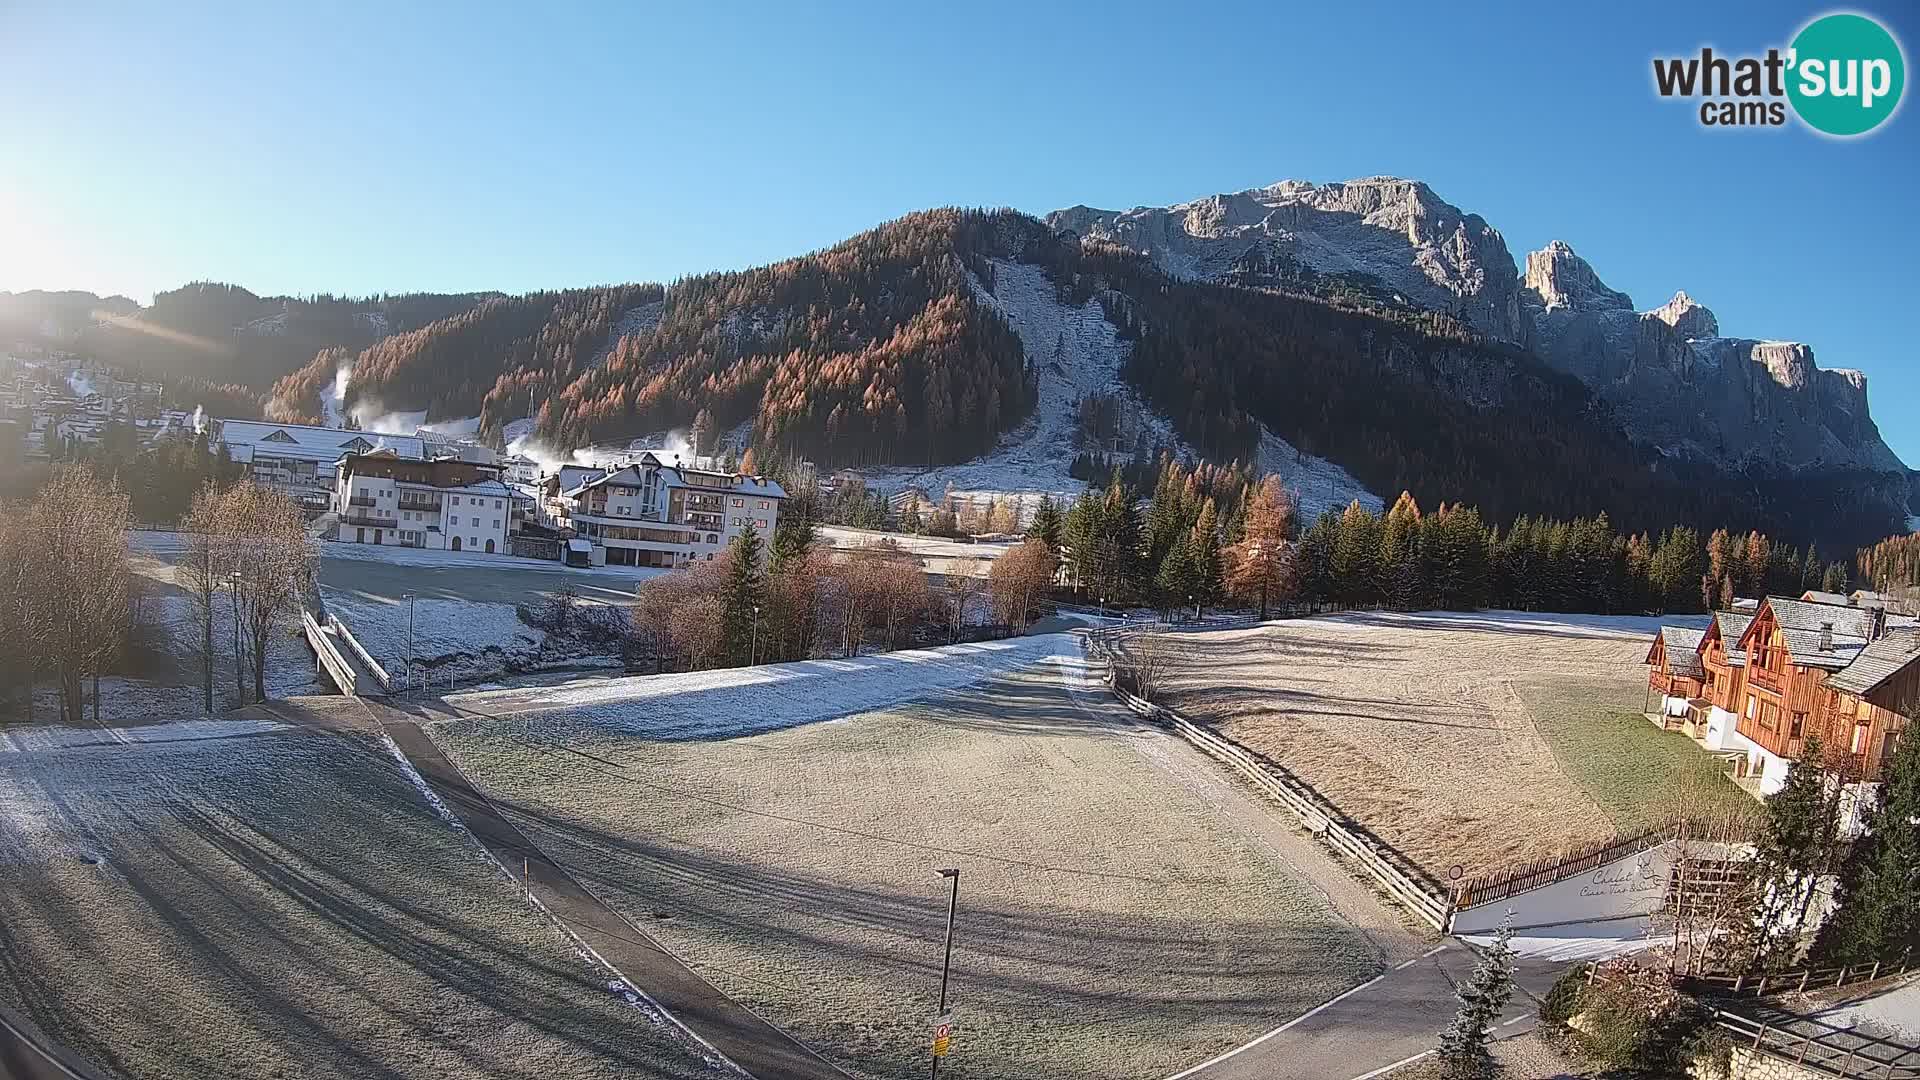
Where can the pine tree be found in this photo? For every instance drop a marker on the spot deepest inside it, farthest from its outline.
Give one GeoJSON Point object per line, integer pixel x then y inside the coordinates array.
{"type": "Point", "coordinates": [1483, 996]}
{"type": "Point", "coordinates": [1879, 896]}
{"type": "Point", "coordinates": [740, 603]}
{"type": "Point", "coordinates": [1796, 846]}
{"type": "Point", "coordinates": [1205, 544]}
{"type": "Point", "coordinates": [1046, 523]}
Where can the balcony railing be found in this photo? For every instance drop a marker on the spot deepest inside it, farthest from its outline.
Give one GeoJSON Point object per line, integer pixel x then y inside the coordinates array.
{"type": "Point", "coordinates": [1766, 680]}
{"type": "Point", "coordinates": [367, 519]}
{"type": "Point", "coordinates": [420, 504]}
{"type": "Point", "coordinates": [360, 500]}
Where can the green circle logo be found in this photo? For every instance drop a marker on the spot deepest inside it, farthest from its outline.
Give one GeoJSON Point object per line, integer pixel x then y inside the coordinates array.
{"type": "Point", "coordinates": [1846, 74]}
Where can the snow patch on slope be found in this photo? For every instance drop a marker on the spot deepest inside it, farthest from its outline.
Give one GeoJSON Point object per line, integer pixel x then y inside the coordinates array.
{"type": "Point", "coordinates": [1317, 484]}
{"type": "Point", "coordinates": [1074, 351]}
{"type": "Point", "coordinates": [731, 702]}
{"type": "Point", "coordinates": [635, 320]}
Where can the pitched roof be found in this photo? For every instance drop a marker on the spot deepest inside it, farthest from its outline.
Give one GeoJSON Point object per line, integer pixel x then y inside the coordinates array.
{"type": "Point", "coordinates": [1844, 630]}
{"type": "Point", "coordinates": [1733, 624]}
{"type": "Point", "coordinates": [1879, 662]}
{"type": "Point", "coordinates": [1818, 597]}
{"type": "Point", "coordinates": [307, 442]}
{"type": "Point", "coordinates": [1681, 647]}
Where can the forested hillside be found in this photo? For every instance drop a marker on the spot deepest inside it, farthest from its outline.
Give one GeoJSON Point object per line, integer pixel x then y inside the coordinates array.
{"type": "Point", "coordinates": [223, 333]}
{"type": "Point", "coordinates": [879, 351]}
{"type": "Point", "coordinates": [871, 351]}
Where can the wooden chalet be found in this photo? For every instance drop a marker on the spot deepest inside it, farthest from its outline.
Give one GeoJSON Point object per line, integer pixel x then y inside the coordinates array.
{"type": "Point", "coordinates": [1831, 670]}
{"type": "Point", "coordinates": [1675, 672]}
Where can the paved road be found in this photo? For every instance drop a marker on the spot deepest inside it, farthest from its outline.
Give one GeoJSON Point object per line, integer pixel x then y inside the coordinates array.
{"type": "Point", "coordinates": [27, 1054]}
{"type": "Point", "coordinates": [726, 1027]}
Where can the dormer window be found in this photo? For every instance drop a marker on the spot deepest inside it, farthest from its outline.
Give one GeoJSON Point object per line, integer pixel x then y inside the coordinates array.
{"type": "Point", "coordinates": [279, 437]}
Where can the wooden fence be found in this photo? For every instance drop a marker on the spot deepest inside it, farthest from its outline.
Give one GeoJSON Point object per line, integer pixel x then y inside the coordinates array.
{"type": "Point", "coordinates": [1822, 1052]}
{"type": "Point", "coordinates": [1762, 983]}
{"type": "Point", "coordinates": [1488, 889]}
{"type": "Point", "coordinates": [1319, 817]}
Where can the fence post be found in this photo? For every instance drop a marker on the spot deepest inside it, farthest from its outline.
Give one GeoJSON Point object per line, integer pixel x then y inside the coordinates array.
{"type": "Point", "coordinates": [1804, 976]}
{"type": "Point", "coordinates": [1758, 1035]}
{"type": "Point", "coordinates": [1843, 975]}
{"type": "Point", "coordinates": [1875, 973]}
{"type": "Point", "coordinates": [1761, 990]}
{"type": "Point", "coordinates": [1739, 980]}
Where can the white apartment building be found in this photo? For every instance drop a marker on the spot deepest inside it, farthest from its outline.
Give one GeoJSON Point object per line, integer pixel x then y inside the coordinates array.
{"type": "Point", "coordinates": [451, 505]}
{"type": "Point", "coordinates": [654, 514]}
{"type": "Point", "coordinates": [299, 459]}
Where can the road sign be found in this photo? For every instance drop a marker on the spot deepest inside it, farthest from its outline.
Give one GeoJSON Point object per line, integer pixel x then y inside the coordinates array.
{"type": "Point", "coordinates": [942, 1034]}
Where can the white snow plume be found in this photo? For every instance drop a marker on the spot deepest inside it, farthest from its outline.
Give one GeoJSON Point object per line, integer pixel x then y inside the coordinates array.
{"type": "Point", "coordinates": [333, 396]}
{"type": "Point", "coordinates": [199, 420]}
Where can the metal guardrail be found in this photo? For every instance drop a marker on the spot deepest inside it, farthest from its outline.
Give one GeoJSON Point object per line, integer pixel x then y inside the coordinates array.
{"type": "Point", "coordinates": [1435, 910]}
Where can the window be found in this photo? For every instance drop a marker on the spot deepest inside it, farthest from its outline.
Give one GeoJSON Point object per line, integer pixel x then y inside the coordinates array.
{"type": "Point", "coordinates": [1753, 705]}
{"type": "Point", "coordinates": [496, 523]}
{"type": "Point", "coordinates": [454, 520]}
{"type": "Point", "coordinates": [1860, 738]}
{"type": "Point", "coordinates": [761, 524]}
{"type": "Point", "coordinates": [1799, 724]}
{"type": "Point", "coordinates": [739, 502]}
{"type": "Point", "coordinates": [496, 504]}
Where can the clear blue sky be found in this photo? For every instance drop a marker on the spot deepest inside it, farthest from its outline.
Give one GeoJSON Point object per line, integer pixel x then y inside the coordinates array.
{"type": "Point", "coordinates": [408, 146]}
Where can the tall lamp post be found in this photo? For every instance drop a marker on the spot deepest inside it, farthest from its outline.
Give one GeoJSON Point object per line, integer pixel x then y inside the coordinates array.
{"type": "Point", "coordinates": [409, 637]}
{"type": "Point", "coordinates": [239, 669]}
{"type": "Point", "coordinates": [753, 651]}
{"type": "Point", "coordinates": [1263, 580]}
{"type": "Point", "coordinates": [946, 965]}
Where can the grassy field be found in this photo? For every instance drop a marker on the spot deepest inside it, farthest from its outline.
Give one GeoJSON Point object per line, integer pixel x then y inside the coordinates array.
{"type": "Point", "coordinates": [1631, 768]}
{"type": "Point", "coordinates": [1111, 923]}
{"type": "Point", "coordinates": [1421, 727]}
{"type": "Point", "coordinates": [244, 905]}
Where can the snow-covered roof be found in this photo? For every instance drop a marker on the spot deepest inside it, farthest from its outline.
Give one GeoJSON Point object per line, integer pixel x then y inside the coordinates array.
{"type": "Point", "coordinates": [303, 441]}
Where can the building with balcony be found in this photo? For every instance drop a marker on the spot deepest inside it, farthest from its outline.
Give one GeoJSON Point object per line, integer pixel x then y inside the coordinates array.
{"type": "Point", "coordinates": [655, 514]}
{"type": "Point", "coordinates": [299, 459]}
{"type": "Point", "coordinates": [381, 497]}
{"type": "Point", "coordinates": [1792, 671]}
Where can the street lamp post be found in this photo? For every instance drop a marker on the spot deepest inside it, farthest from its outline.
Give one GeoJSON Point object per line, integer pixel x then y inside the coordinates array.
{"type": "Point", "coordinates": [753, 652]}
{"type": "Point", "coordinates": [239, 670]}
{"type": "Point", "coordinates": [1263, 580]}
{"type": "Point", "coordinates": [409, 637]}
{"type": "Point", "coordinates": [946, 965]}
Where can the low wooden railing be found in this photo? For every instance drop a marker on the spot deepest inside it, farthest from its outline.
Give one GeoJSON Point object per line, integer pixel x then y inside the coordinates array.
{"type": "Point", "coordinates": [1534, 875]}
{"type": "Point", "coordinates": [1319, 817]}
{"type": "Point", "coordinates": [1861, 1058]}
{"type": "Point", "coordinates": [1802, 979]}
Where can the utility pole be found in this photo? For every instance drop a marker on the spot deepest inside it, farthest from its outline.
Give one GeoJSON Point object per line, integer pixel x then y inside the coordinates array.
{"type": "Point", "coordinates": [953, 901]}
{"type": "Point", "coordinates": [753, 651]}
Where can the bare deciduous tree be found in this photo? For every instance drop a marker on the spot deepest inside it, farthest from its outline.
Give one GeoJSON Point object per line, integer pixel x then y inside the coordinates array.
{"type": "Point", "coordinates": [75, 550]}
{"type": "Point", "coordinates": [204, 568]}
{"type": "Point", "coordinates": [966, 583]}
{"type": "Point", "coordinates": [272, 568]}
{"type": "Point", "coordinates": [1019, 578]}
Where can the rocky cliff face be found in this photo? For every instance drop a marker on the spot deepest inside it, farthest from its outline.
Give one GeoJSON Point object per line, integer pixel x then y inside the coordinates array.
{"type": "Point", "coordinates": [1674, 382]}
{"type": "Point", "coordinates": [1394, 232]}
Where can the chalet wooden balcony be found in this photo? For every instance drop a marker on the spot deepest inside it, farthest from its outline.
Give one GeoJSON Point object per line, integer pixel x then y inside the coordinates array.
{"type": "Point", "coordinates": [1767, 680]}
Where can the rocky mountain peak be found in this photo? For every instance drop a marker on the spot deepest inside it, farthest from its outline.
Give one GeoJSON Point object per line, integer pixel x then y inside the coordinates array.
{"type": "Point", "coordinates": [1384, 229]}
{"type": "Point", "coordinates": [1689, 318]}
{"type": "Point", "coordinates": [1556, 279]}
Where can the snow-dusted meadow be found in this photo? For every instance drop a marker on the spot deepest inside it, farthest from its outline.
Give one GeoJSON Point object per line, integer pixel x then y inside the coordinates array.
{"type": "Point", "coordinates": [779, 829]}
{"type": "Point", "coordinates": [256, 901]}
